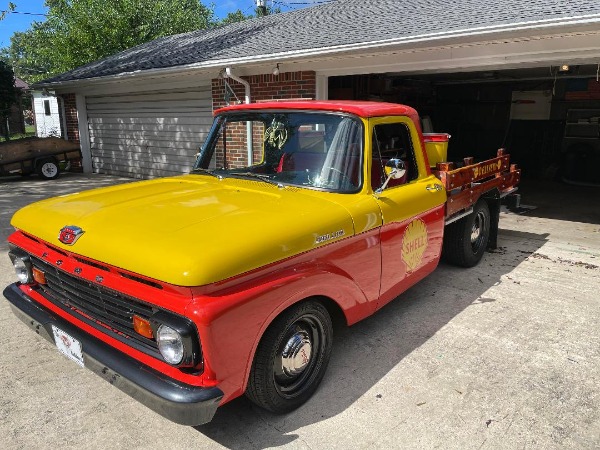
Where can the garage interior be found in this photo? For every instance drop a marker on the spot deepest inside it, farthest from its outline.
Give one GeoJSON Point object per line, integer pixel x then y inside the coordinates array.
{"type": "Point", "coordinates": [546, 117]}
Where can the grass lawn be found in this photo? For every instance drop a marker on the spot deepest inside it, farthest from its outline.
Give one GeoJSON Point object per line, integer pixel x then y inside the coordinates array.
{"type": "Point", "coordinates": [29, 131]}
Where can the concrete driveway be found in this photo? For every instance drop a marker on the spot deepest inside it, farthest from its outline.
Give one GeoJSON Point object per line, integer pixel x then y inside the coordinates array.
{"type": "Point", "coordinates": [505, 355]}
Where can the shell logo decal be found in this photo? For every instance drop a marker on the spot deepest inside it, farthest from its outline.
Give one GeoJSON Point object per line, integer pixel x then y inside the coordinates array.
{"type": "Point", "coordinates": [414, 244]}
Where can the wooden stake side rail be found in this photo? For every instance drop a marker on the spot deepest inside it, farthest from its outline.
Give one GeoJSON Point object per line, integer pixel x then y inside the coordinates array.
{"type": "Point", "coordinates": [467, 184]}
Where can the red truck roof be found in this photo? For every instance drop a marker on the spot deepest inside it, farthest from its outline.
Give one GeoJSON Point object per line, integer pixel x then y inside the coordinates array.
{"type": "Point", "coordinates": [359, 108]}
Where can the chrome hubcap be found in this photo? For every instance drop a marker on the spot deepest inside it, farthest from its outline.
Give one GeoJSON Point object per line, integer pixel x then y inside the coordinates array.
{"type": "Point", "coordinates": [296, 353]}
{"type": "Point", "coordinates": [299, 355]}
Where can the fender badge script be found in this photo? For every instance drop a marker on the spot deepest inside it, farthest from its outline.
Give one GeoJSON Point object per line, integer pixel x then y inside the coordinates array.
{"type": "Point", "coordinates": [329, 236]}
{"type": "Point", "coordinates": [68, 235]}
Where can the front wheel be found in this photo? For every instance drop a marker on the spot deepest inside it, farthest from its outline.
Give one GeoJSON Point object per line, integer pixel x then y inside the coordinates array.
{"type": "Point", "coordinates": [291, 358]}
{"type": "Point", "coordinates": [466, 239]}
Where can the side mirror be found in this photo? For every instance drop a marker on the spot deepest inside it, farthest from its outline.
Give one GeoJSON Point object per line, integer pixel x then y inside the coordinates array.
{"type": "Point", "coordinates": [394, 170]}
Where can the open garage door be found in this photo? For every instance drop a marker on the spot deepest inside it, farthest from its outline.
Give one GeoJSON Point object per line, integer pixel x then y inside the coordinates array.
{"type": "Point", "coordinates": [547, 117]}
{"type": "Point", "coordinates": [148, 134]}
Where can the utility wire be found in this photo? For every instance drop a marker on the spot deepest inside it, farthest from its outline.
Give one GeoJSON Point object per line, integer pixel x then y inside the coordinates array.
{"type": "Point", "coordinates": [302, 3]}
{"type": "Point", "coordinates": [294, 5]}
{"type": "Point", "coordinates": [6, 11]}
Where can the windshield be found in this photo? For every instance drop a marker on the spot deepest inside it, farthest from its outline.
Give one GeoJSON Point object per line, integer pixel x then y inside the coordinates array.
{"type": "Point", "coordinates": [320, 151]}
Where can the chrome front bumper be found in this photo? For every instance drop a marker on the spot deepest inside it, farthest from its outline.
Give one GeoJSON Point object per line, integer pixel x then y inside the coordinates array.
{"type": "Point", "coordinates": [182, 403]}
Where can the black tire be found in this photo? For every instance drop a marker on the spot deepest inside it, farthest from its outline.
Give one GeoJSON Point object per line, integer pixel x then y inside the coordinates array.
{"type": "Point", "coordinates": [466, 240]}
{"type": "Point", "coordinates": [48, 168]}
{"type": "Point", "coordinates": [280, 384]}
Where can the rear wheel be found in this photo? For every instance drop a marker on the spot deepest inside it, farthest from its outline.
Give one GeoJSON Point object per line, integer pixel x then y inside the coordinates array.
{"type": "Point", "coordinates": [291, 358]}
{"type": "Point", "coordinates": [48, 169]}
{"type": "Point", "coordinates": [466, 239]}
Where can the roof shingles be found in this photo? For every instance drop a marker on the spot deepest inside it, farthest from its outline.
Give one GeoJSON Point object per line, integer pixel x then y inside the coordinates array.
{"type": "Point", "coordinates": [341, 22]}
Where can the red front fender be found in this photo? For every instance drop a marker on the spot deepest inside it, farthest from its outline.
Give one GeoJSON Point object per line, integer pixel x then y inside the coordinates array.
{"type": "Point", "coordinates": [232, 318]}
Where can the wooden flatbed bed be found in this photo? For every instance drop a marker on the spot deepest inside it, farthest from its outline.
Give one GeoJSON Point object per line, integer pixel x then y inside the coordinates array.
{"type": "Point", "coordinates": [465, 185]}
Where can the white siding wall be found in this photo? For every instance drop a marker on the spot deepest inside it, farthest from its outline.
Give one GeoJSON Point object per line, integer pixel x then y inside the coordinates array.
{"type": "Point", "coordinates": [46, 125]}
{"type": "Point", "coordinates": [148, 134]}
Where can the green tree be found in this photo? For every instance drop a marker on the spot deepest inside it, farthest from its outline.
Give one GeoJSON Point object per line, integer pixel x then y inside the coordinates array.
{"type": "Point", "coordinates": [9, 8]}
{"type": "Point", "coordinates": [232, 17]}
{"type": "Point", "coordinates": [77, 32]}
{"type": "Point", "coordinates": [239, 16]}
{"type": "Point", "coordinates": [8, 96]}
{"type": "Point", "coordinates": [28, 63]}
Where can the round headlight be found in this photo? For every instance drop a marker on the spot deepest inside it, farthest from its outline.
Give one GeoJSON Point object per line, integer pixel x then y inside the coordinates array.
{"type": "Point", "coordinates": [22, 268]}
{"type": "Point", "coordinates": [170, 344]}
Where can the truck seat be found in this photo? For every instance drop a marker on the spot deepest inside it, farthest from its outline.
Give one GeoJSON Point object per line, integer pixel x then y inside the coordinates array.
{"type": "Point", "coordinates": [313, 162]}
{"type": "Point", "coordinates": [301, 161]}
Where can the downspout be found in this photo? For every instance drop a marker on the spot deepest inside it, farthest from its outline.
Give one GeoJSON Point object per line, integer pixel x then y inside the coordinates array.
{"type": "Point", "coordinates": [229, 74]}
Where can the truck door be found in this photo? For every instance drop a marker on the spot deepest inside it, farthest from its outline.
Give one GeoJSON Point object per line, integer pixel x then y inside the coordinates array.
{"type": "Point", "coordinates": [412, 207]}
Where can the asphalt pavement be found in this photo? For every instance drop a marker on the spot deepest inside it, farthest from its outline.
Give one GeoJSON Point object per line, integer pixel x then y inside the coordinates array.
{"type": "Point", "coordinates": [504, 355]}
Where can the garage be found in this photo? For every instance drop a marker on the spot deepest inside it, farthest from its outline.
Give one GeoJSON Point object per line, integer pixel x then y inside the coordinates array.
{"type": "Point", "coordinates": [547, 117]}
{"type": "Point", "coordinates": [148, 134]}
{"type": "Point", "coordinates": [491, 75]}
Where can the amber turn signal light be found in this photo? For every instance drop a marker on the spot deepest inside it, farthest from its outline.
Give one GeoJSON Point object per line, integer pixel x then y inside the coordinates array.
{"type": "Point", "coordinates": [142, 326]}
{"type": "Point", "coordinates": [39, 276]}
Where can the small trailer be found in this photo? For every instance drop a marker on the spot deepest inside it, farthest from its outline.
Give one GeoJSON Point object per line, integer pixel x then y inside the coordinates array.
{"type": "Point", "coordinates": [44, 156]}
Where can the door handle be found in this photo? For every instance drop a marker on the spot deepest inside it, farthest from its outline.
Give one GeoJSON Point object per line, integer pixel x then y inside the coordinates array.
{"type": "Point", "coordinates": [434, 187]}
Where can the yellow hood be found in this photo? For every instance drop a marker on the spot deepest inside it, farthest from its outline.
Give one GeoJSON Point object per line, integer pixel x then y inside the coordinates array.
{"type": "Point", "coordinates": [190, 230]}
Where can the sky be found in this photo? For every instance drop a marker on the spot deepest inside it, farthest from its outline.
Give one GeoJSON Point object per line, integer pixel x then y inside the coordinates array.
{"type": "Point", "coordinates": [21, 22]}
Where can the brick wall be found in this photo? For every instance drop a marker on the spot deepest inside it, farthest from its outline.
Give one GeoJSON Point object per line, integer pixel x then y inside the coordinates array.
{"type": "Point", "coordinates": [71, 117]}
{"type": "Point", "coordinates": [288, 85]}
{"type": "Point", "coordinates": [72, 125]}
{"type": "Point", "coordinates": [267, 87]}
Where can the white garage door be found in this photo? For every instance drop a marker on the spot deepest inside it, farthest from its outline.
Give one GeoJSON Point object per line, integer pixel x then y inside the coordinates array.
{"type": "Point", "coordinates": [148, 134]}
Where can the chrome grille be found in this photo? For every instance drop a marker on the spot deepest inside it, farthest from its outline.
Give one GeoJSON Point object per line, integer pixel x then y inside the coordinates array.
{"type": "Point", "coordinates": [110, 311]}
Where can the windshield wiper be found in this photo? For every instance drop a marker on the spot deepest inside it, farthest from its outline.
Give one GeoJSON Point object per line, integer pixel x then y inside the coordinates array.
{"type": "Point", "coordinates": [258, 176]}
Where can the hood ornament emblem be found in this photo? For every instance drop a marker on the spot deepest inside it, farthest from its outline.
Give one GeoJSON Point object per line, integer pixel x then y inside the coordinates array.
{"type": "Point", "coordinates": [68, 235]}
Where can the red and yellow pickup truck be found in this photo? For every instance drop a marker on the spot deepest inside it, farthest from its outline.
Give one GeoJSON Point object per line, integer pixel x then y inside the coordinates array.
{"type": "Point", "coordinates": [187, 292]}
